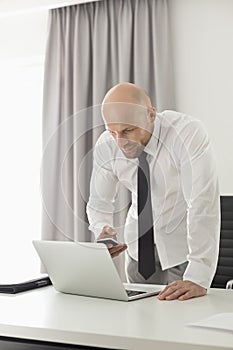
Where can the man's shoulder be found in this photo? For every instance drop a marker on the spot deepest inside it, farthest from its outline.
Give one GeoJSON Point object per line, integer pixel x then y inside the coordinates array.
{"type": "Point", "coordinates": [174, 118]}
{"type": "Point", "coordinates": [104, 137]}
{"type": "Point", "coordinates": [184, 132]}
{"type": "Point", "coordinates": [105, 146]}
{"type": "Point", "coordinates": [180, 122]}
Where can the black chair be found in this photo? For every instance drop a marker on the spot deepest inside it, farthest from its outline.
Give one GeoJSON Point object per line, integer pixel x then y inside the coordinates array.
{"type": "Point", "coordinates": [224, 271]}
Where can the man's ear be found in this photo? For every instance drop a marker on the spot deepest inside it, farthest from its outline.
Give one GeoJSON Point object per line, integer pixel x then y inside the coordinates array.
{"type": "Point", "coordinates": [152, 113]}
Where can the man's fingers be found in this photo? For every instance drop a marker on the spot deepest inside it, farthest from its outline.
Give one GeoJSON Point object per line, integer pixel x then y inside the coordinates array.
{"type": "Point", "coordinates": [169, 291]}
{"type": "Point", "coordinates": [115, 251]}
{"type": "Point", "coordinates": [176, 294]}
{"type": "Point", "coordinates": [198, 292]}
{"type": "Point", "coordinates": [181, 290]}
{"type": "Point", "coordinates": [186, 296]}
{"type": "Point", "coordinates": [169, 288]}
{"type": "Point", "coordinates": [117, 248]}
{"type": "Point", "coordinates": [108, 230]}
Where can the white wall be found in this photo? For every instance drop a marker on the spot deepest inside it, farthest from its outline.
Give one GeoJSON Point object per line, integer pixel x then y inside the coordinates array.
{"type": "Point", "coordinates": [202, 39]}
{"type": "Point", "coordinates": [23, 36]}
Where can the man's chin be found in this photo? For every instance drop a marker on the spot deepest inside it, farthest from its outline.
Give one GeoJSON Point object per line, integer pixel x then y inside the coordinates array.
{"type": "Point", "coordinates": [129, 156]}
{"type": "Point", "coordinates": [132, 154]}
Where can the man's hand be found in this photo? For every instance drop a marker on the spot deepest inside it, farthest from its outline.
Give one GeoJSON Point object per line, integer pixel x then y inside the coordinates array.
{"type": "Point", "coordinates": [181, 290]}
{"type": "Point", "coordinates": [109, 232]}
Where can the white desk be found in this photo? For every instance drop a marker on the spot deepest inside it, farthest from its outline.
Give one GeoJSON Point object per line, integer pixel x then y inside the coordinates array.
{"type": "Point", "coordinates": [46, 315]}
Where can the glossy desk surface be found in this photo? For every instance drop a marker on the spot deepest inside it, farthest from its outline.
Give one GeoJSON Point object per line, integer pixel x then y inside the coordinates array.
{"type": "Point", "coordinates": [47, 315]}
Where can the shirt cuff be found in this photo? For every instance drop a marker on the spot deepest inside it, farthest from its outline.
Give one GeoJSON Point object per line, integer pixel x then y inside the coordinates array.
{"type": "Point", "coordinates": [198, 273]}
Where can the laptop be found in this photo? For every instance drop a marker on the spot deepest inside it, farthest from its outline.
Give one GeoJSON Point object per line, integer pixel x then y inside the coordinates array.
{"type": "Point", "coordinates": [86, 269]}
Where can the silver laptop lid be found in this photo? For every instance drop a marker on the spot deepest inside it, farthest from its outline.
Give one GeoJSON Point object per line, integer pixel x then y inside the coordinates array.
{"type": "Point", "coordinates": [81, 268]}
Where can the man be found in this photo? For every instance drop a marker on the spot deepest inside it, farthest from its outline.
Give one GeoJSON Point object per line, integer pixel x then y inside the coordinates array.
{"type": "Point", "coordinates": [165, 158]}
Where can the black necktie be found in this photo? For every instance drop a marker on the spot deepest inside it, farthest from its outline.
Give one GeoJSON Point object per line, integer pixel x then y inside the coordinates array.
{"type": "Point", "coordinates": [146, 257]}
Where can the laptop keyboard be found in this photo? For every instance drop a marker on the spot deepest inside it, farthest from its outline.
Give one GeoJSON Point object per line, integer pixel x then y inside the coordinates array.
{"type": "Point", "coordinates": [133, 292]}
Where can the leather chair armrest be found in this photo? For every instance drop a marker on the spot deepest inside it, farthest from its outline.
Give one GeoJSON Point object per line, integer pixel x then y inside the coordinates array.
{"type": "Point", "coordinates": [229, 284]}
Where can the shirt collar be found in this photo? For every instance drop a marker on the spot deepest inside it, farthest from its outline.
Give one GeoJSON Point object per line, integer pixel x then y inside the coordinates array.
{"type": "Point", "coordinates": [152, 145]}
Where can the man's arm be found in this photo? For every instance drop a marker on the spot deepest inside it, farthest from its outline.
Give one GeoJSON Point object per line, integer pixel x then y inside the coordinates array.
{"type": "Point", "coordinates": [200, 187]}
{"type": "Point", "coordinates": [100, 206]}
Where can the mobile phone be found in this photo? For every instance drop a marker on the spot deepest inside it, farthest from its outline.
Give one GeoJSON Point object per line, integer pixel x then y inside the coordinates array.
{"type": "Point", "coordinates": [108, 240]}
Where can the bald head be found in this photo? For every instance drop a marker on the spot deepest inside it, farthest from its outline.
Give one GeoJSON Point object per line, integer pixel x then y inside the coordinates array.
{"type": "Point", "coordinates": [129, 93]}
{"type": "Point", "coordinates": [124, 103]}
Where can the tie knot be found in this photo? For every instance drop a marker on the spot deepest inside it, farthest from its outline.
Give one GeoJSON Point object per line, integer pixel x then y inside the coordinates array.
{"type": "Point", "coordinates": [142, 157]}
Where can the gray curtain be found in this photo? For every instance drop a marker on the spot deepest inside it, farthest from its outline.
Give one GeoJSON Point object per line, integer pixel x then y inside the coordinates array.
{"type": "Point", "coordinates": [90, 48]}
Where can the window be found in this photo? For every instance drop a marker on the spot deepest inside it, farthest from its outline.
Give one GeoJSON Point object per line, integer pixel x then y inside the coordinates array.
{"type": "Point", "coordinates": [21, 90]}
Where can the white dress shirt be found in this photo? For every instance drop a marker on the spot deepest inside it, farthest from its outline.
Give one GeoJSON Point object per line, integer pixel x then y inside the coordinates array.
{"type": "Point", "coordinates": [184, 191]}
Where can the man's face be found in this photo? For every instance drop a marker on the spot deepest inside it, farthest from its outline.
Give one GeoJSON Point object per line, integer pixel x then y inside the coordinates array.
{"type": "Point", "coordinates": [130, 138]}
{"type": "Point", "coordinates": [130, 126]}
